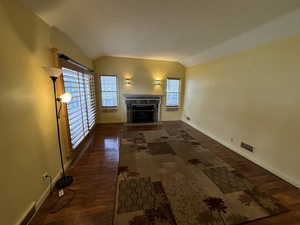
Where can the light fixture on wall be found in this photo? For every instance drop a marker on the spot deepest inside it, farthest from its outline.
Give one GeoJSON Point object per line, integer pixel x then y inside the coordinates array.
{"type": "Point", "coordinates": [127, 81]}
{"type": "Point", "coordinates": [54, 73]}
{"type": "Point", "coordinates": [157, 82]}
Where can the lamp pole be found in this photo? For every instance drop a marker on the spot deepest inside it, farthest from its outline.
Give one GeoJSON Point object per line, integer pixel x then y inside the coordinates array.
{"type": "Point", "coordinates": [64, 180]}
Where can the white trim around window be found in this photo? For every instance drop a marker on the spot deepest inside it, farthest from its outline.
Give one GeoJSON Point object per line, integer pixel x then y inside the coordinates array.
{"type": "Point", "coordinates": [173, 88]}
{"type": "Point", "coordinates": [109, 91]}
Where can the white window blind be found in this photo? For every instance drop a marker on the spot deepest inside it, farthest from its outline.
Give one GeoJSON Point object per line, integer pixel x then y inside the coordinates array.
{"type": "Point", "coordinates": [91, 100]}
{"type": "Point", "coordinates": [82, 108]}
{"type": "Point", "coordinates": [109, 91]}
{"type": "Point", "coordinates": [173, 92]}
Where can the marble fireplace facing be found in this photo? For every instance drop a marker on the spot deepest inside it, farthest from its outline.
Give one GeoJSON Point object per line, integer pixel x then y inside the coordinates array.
{"type": "Point", "coordinates": [142, 108]}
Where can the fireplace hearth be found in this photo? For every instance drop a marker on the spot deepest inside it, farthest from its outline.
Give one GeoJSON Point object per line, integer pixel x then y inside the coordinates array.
{"type": "Point", "coordinates": [142, 108]}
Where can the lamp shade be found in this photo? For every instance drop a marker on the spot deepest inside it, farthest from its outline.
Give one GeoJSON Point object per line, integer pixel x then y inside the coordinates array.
{"type": "Point", "coordinates": [52, 71]}
{"type": "Point", "coordinates": [66, 97]}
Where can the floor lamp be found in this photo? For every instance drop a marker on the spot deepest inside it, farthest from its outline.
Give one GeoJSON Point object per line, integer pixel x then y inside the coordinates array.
{"type": "Point", "coordinates": [54, 73]}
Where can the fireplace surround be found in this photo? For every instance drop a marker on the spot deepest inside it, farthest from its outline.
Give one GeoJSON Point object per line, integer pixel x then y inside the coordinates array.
{"type": "Point", "coordinates": [142, 108]}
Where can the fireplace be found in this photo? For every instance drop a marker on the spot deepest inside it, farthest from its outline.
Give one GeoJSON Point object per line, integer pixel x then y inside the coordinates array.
{"type": "Point", "coordinates": [143, 113]}
{"type": "Point", "coordinates": [142, 108]}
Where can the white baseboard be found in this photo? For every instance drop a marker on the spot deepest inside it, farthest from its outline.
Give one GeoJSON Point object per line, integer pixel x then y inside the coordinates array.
{"type": "Point", "coordinates": [38, 203]}
{"type": "Point", "coordinates": [45, 194]}
{"type": "Point", "coordinates": [261, 163]}
{"type": "Point", "coordinates": [27, 211]}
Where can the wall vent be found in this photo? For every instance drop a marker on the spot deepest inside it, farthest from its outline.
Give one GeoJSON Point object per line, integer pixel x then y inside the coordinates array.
{"type": "Point", "coordinates": [109, 110]}
{"type": "Point", "coordinates": [172, 109]}
{"type": "Point", "coordinates": [247, 147]}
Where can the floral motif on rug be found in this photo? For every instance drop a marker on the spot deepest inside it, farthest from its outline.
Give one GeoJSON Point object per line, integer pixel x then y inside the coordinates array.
{"type": "Point", "coordinates": [169, 176]}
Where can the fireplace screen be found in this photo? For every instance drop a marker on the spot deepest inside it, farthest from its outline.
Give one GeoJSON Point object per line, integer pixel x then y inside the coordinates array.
{"type": "Point", "coordinates": [142, 113]}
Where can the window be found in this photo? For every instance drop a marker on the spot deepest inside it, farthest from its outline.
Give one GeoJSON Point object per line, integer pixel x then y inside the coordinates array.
{"type": "Point", "coordinates": [109, 91]}
{"type": "Point", "coordinates": [82, 108]}
{"type": "Point", "coordinates": [173, 92]}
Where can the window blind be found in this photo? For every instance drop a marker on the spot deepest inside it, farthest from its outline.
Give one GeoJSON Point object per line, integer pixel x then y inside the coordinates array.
{"type": "Point", "coordinates": [82, 109]}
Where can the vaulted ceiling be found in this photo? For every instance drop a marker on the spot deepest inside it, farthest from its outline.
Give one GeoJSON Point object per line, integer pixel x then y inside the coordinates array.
{"type": "Point", "coordinates": [156, 29]}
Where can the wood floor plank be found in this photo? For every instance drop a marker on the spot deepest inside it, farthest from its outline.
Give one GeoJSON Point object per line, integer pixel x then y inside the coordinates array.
{"type": "Point", "coordinates": [95, 182]}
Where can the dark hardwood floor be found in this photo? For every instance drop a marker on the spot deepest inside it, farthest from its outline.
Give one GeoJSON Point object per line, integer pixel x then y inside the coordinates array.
{"type": "Point", "coordinates": [90, 199]}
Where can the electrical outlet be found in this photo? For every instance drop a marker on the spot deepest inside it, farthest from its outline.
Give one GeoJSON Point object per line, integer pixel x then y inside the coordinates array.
{"type": "Point", "coordinates": [45, 177]}
{"type": "Point", "coordinates": [61, 193]}
{"type": "Point", "coordinates": [188, 118]}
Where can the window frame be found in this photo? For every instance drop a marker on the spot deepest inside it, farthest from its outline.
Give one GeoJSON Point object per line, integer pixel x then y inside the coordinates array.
{"type": "Point", "coordinates": [179, 92]}
{"type": "Point", "coordinates": [117, 91]}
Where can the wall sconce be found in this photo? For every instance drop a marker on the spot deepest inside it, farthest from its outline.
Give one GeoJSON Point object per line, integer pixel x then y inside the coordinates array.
{"type": "Point", "coordinates": [157, 82]}
{"type": "Point", "coordinates": [127, 81]}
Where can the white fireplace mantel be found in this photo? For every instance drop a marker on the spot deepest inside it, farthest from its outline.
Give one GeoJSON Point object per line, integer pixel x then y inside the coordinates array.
{"type": "Point", "coordinates": [142, 96]}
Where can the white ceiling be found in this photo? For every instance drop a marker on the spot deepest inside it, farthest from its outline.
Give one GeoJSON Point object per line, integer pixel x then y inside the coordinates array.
{"type": "Point", "coordinates": [156, 29]}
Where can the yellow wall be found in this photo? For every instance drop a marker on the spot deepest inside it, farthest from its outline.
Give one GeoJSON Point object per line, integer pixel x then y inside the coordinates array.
{"type": "Point", "coordinates": [28, 132]}
{"type": "Point", "coordinates": [142, 74]}
{"type": "Point", "coordinates": [63, 43]}
{"type": "Point", "coordinates": [253, 97]}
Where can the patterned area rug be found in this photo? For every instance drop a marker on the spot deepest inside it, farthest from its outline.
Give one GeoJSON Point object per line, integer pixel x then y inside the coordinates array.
{"type": "Point", "coordinates": [166, 177]}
